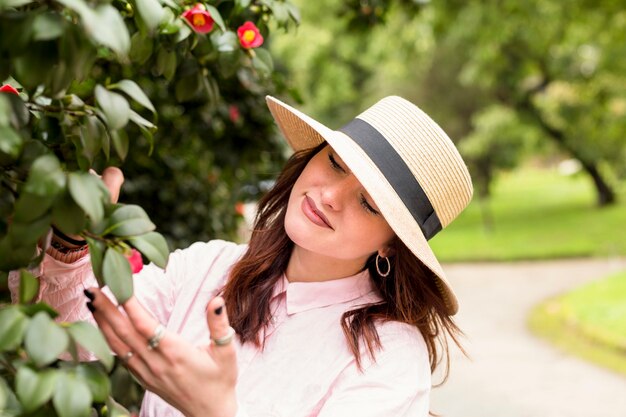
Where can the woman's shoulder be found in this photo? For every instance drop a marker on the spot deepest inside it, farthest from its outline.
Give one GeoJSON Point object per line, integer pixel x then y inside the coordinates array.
{"type": "Point", "coordinates": [203, 252]}
{"type": "Point", "coordinates": [402, 339]}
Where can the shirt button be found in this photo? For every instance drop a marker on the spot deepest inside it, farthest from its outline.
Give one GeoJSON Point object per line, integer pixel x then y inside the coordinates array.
{"type": "Point", "coordinates": [274, 320]}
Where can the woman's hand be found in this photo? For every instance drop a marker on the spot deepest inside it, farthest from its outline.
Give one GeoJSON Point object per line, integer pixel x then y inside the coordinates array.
{"type": "Point", "coordinates": [197, 381]}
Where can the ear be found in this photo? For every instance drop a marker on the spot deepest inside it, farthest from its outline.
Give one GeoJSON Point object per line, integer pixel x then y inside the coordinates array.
{"type": "Point", "coordinates": [387, 251]}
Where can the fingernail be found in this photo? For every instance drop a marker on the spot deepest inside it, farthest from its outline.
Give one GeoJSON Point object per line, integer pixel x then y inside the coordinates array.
{"type": "Point", "coordinates": [89, 294]}
{"type": "Point", "coordinates": [91, 307]}
{"type": "Point", "coordinates": [218, 310]}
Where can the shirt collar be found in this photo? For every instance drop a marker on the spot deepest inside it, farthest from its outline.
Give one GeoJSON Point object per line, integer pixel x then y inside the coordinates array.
{"type": "Point", "coordinates": [303, 296]}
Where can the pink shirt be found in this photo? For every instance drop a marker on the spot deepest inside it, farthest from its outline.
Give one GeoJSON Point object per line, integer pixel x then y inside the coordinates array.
{"type": "Point", "coordinates": [306, 368]}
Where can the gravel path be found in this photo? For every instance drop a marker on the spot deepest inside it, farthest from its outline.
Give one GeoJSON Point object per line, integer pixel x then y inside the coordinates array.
{"type": "Point", "coordinates": [511, 373]}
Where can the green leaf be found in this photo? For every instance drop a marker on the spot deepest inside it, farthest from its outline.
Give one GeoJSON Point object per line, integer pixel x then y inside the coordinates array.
{"type": "Point", "coordinates": [225, 42]}
{"type": "Point", "coordinates": [166, 63]}
{"type": "Point", "coordinates": [72, 397]}
{"type": "Point", "coordinates": [30, 207]}
{"type": "Point", "coordinates": [141, 47]}
{"type": "Point", "coordinates": [67, 215]}
{"type": "Point", "coordinates": [262, 62]}
{"type": "Point", "coordinates": [96, 251]}
{"type": "Point", "coordinates": [46, 178]}
{"type": "Point", "coordinates": [187, 88]}
{"type": "Point", "coordinates": [217, 17]}
{"type": "Point", "coordinates": [140, 121]}
{"type": "Point", "coordinates": [44, 340]}
{"type": "Point", "coordinates": [116, 410]}
{"type": "Point", "coordinates": [154, 246]}
{"type": "Point", "coordinates": [149, 137]}
{"type": "Point", "coordinates": [96, 380]}
{"type": "Point", "coordinates": [135, 92]}
{"type": "Point", "coordinates": [32, 309]}
{"type": "Point", "coordinates": [114, 106]}
{"type": "Point", "coordinates": [151, 12]}
{"type": "Point", "coordinates": [243, 3]}
{"type": "Point", "coordinates": [24, 234]}
{"type": "Point", "coordinates": [120, 143]}
{"type": "Point", "coordinates": [13, 324]}
{"type": "Point", "coordinates": [294, 12]}
{"type": "Point", "coordinates": [91, 339]}
{"type": "Point", "coordinates": [117, 275]}
{"type": "Point", "coordinates": [91, 133]}
{"type": "Point", "coordinates": [34, 388]}
{"type": "Point", "coordinates": [47, 26]}
{"type": "Point", "coordinates": [129, 220]}
{"type": "Point", "coordinates": [10, 142]}
{"type": "Point", "coordinates": [29, 287]}
{"type": "Point", "coordinates": [5, 4]}
{"type": "Point", "coordinates": [104, 24]}
{"type": "Point", "coordinates": [9, 405]}
{"type": "Point", "coordinates": [87, 191]}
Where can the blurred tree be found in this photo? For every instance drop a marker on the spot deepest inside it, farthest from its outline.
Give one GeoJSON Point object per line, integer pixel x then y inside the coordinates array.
{"type": "Point", "coordinates": [554, 63]}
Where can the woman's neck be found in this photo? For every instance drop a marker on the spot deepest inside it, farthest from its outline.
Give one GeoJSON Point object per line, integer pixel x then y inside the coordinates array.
{"type": "Point", "coordinates": [306, 266]}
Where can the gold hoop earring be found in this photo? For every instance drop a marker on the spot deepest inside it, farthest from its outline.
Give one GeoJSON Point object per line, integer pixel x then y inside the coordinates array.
{"type": "Point", "coordinates": [378, 267]}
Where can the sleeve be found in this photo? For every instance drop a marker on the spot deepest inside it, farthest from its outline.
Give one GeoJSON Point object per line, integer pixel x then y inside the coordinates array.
{"type": "Point", "coordinates": [61, 286]}
{"type": "Point", "coordinates": [396, 384]}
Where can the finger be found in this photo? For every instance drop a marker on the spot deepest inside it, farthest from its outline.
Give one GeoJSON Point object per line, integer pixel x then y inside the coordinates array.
{"type": "Point", "coordinates": [142, 320]}
{"type": "Point", "coordinates": [120, 324]}
{"type": "Point", "coordinates": [121, 349]}
{"type": "Point", "coordinates": [217, 319]}
{"type": "Point", "coordinates": [113, 178]}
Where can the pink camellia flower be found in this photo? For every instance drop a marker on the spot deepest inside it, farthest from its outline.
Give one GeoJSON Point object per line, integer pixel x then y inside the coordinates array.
{"type": "Point", "coordinates": [249, 35]}
{"type": "Point", "coordinates": [135, 261]}
{"type": "Point", "coordinates": [199, 19]}
{"type": "Point", "coordinates": [9, 89]}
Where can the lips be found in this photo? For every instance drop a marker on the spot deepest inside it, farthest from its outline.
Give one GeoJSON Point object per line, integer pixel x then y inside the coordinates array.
{"type": "Point", "coordinates": [312, 213]}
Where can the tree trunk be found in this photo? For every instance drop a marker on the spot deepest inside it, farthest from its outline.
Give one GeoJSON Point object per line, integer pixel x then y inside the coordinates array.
{"type": "Point", "coordinates": [604, 193]}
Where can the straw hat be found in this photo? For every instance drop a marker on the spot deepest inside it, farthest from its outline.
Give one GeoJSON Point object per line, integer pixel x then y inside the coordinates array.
{"type": "Point", "coordinates": [405, 161]}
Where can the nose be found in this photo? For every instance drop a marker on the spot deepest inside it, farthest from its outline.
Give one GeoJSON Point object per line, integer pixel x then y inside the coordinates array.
{"type": "Point", "coordinates": [336, 194]}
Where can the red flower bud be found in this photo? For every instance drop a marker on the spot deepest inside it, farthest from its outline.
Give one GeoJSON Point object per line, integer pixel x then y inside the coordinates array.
{"type": "Point", "coordinates": [9, 89]}
{"type": "Point", "coordinates": [233, 113]}
{"type": "Point", "coordinates": [135, 261]}
{"type": "Point", "coordinates": [199, 19]}
{"type": "Point", "coordinates": [249, 35]}
{"type": "Point", "coordinates": [240, 208]}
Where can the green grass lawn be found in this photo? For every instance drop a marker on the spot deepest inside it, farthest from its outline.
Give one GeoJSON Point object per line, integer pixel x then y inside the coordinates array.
{"type": "Point", "coordinates": [536, 214]}
{"type": "Point", "coordinates": [589, 321]}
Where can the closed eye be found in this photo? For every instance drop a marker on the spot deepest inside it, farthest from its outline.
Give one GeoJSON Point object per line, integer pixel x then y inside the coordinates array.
{"type": "Point", "coordinates": [367, 205]}
{"type": "Point", "coordinates": [334, 164]}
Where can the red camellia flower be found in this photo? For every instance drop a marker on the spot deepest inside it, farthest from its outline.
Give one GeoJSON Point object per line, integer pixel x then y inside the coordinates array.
{"type": "Point", "coordinates": [135, 261]}
{"type": "Point", "coordinates": [9, 89]}
{"type": "Point", "coordinates": [249, 35]}
{"type": "Point", "coordinates": [199, 19]}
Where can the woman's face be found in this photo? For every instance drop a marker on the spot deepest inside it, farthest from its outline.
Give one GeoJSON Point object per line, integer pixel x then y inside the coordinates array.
{"type": "Point", "coordinates": [330, 213]}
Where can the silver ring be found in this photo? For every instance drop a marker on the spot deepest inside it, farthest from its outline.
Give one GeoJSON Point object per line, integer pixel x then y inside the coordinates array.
{"type": "Point", "coordinates": [127, 356]}
{"type": "Point", "coordinates": [154, 341]}
{"type": "Point", "coordinates": [225, 340]}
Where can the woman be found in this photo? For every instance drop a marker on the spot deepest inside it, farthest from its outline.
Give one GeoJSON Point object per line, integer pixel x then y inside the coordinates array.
{"type": "Point", "coordinates": [338, 303]}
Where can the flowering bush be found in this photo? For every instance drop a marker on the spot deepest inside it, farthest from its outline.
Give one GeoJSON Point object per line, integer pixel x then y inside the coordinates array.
{"type": "Point", "coordinates": [102, 83]}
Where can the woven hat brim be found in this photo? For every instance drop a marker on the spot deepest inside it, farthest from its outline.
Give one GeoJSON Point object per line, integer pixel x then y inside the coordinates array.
{"type": "Point", "coordinates": [304, 132]}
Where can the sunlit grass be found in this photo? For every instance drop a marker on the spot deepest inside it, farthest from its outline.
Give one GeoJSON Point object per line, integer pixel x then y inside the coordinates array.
{"type": "Point", "coordinates": [535, 214]}
{"type": "Point", "coordinates": [588, 322]}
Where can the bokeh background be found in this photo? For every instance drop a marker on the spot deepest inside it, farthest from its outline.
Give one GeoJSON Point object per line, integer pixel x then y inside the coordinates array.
{"type": "Point", "coordinates": [532, 92]}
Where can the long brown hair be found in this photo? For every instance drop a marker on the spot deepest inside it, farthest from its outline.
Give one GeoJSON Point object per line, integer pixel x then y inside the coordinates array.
{"type": "Point", "coordinates": [409, 293]}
